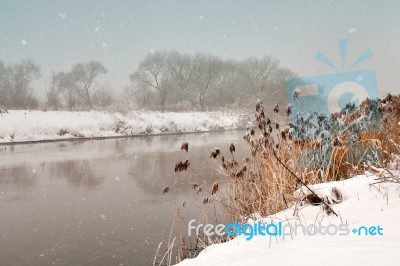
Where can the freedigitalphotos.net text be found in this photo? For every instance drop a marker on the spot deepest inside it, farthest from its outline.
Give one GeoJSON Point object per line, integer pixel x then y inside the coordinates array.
{"type": "Point", "coordinates": [249, 230]}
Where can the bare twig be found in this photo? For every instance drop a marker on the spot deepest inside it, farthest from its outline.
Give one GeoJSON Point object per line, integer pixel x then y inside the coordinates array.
{"type": "Point", "coordinates": [329, 208]}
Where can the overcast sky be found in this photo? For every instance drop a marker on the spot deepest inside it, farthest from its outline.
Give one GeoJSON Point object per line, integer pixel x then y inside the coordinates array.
{"type": "Point", "coordinates": [55, 34]}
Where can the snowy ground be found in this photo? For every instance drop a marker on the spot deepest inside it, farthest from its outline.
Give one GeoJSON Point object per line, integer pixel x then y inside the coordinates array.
{"type": "Point", "coordinates": [20, 126]}
{"type": "Point", "coordinates": [363, 205]}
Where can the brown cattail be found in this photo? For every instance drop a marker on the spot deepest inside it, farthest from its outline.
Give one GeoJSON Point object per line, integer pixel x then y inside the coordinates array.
{"type": "Point", "coordinates": [296, 94]}
{"type": "Point", "coordinates": [289, 110]}
{"type": "Point", "coordinates": [232, 164]}
{"type": "Point", "coordinates": [206, 200]}
{"type": "Point", "coordinates": [337, 142]}
{"type": "Point", "coordinates": [241, 172]}
{"type": "Point", "coordinates": [259, 105]}
{"type": "Point", "coordinates": [215, 153]}
{"type": "Point", "coordinates": [185, 147]}
{"type": "Point", "coordinates": [214, 188]}
{"type": "Point", "coordinates": [182, 166]}
{"type": "Point", "coordinates": [246, 160]}
{"type": "Point", "coordinates": [165, 190]}
{"type": "Point", "coordinates": [232, 148]}
{"type": "Point", "coordinates": [276, 108]}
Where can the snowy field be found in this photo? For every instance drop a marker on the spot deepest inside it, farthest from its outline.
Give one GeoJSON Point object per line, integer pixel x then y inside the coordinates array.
{"type": "Point", "coordinates": [21, 126]}
{"type": "Point", "coordinates": [363, 204]}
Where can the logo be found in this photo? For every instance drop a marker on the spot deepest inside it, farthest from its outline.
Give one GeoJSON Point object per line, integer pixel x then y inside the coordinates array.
{"type": "Point", "coordinates": [314, 101]}
{"type": "Point", "coordinates": [250, 230]}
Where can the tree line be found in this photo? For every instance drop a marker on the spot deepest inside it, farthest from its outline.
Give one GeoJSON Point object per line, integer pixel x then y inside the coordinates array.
{"type": "Point", "coordinates": [168, 79]}
{"type": "Point", "coordinates": [163, 80]}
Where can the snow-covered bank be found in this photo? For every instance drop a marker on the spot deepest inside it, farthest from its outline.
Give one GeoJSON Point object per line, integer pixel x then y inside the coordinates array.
{"type": "Point", "coordinates": [363, 205]}
{"type": "Point", "coordinates": [21, 126]}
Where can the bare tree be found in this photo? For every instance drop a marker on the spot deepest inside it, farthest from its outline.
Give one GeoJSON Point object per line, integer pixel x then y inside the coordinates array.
{"type": "Point", "coordinates": [53, 94]}
{"type": "Point", "coordinates": [206, 71]}
{"type": "Point", "coordinates": [64, 83]}
{"type": "Point", "coordinates": [15, 80]}
{"type": "Point", "coordinates": [153, 72]}
{"type": "Point", "coordinates": [103, 97]}
{"type": "Point", "coordinates": [205, 80]}
{"type": "Point", "coordinates": [138, 95]}
{"type": "Point", "coordinates": [226, 89]}
{"type": "Point", "coordinates": [180, 69]}
{"type": "Point", "coordinates": [267, 68]}
{"type": "Point", "coordinates": [249, 73]}
{"type": "Point", "coordinates": [84, 76]}
{"type": "Point", "coordinates": [3, 87]}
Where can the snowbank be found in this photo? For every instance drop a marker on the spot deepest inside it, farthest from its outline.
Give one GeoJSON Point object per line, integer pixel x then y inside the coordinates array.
{"type": "Point", "coordinates": [20, 126]}
{"type": "Point", "coordinates": [362, 204]}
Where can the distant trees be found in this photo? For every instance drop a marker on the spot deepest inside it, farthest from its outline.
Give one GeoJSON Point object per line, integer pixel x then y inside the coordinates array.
{"type": "Point", "coordinates": [78, 88]}
{"type": "Point", "coordinates": [204, 81]}
{"type": "Point", "coordinates": [181, 71]}
{"type": "Point", "coordinates": [15, 81]}
{"type": "Point", "coordinates": [163, 80]}
{"type": "Point", "coordinates": [84, 75]}
{"type": "Point", "coordinates": [153, 74]}
{"type": "Point", "coordinates": [206, 69]}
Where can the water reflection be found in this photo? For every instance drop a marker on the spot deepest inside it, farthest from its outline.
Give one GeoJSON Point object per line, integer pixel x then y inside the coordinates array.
{"type": "Point", "coordinates": [18, 177]}
{"type": "Point", "coordinates": [77, 173]}
{"type": "Point", "coordinates": [99, 202]}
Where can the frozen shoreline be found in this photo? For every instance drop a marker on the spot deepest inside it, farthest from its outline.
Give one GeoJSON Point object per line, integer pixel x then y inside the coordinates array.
{"type": "Point", "coordinates": [22, 126]}
{"type": "Point", "coordinates": [363, 205]}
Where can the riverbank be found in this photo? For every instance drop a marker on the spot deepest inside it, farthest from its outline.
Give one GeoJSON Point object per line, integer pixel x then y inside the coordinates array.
{"type": "Point", "coordinates": [364, 232]}
{"type": "Point", "coordinates": [23, 126]}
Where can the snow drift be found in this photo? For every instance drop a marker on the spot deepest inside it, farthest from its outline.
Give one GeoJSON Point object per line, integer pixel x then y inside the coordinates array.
{"type": "Point", "coordinates": [365, 201]}
{"type": "Point", "coordinates": [21, 126]}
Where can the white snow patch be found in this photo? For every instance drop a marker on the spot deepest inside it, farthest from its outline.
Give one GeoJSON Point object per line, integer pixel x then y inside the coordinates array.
{"type": "Point", "coordinates": [364, 204]}
{"type": "Point", "coordinates": [23, 125]}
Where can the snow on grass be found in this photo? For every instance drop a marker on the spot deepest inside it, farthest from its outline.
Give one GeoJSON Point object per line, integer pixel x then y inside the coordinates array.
{"type": "Point", "coordinates": [19, 126]}
{"type": "Point", "coordinates": [363, 205]}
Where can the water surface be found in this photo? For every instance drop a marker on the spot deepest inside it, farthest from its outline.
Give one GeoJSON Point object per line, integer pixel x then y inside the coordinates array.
{"type": "Point", "coordinates": [100, 202]}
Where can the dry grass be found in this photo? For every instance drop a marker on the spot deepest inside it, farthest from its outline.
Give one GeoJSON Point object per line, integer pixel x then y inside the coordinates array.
{"type": "Point", "coordinates": [261, 184]}
{"type": "Point", "coordinates": [264, 183]}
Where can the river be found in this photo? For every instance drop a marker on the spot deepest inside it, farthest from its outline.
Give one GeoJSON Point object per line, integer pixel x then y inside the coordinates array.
{"type": "Point", "coordinates": [100, 202]}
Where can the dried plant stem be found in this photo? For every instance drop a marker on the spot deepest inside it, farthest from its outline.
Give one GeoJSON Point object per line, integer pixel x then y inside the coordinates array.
{"type": "Point", "coordinates": [304, 184]}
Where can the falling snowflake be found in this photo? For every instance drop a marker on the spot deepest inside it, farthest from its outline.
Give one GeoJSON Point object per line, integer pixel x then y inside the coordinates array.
{"type": "Point", "coordinates": [201, 17]}
{"type": "Point", "coordinates": [24, 42]}
{"type": "Point", "coordinates": [96, 29]}
{"type": "Point", "coordinates": [352, 30]}
{"type": "Point", "coordinates": [62, 15]}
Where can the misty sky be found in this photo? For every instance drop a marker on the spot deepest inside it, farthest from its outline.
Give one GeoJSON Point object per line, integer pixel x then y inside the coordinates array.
{"type": "Point", "coordinates": [55, 34]}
